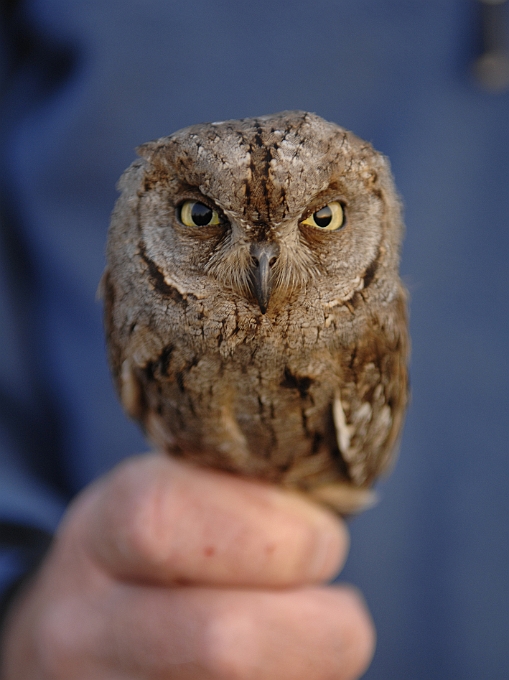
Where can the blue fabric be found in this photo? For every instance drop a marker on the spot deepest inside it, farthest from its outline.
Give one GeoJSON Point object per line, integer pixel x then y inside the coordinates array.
{"type": "Point", "coordinates": [84, 82]}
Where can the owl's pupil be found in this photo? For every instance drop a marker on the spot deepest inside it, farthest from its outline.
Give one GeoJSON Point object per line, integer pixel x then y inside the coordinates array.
{"type": "Point", "coordinates": [201, 214]}
{"type": "Point", "coordinates": [323, 217]}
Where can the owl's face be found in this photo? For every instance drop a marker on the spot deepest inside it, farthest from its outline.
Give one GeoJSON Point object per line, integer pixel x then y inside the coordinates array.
{"type": "Point", "coordinates": [266, 208]}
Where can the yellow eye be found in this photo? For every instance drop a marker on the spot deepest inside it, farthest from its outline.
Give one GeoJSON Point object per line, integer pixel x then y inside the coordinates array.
{"type": "Point", "coordinates": [329, 218]}
{"type": "Point", "coordinates": [196, 214]}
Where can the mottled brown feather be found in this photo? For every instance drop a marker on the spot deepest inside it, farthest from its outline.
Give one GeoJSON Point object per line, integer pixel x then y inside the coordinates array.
{"type": "Point", "coordinates": [310, 394]}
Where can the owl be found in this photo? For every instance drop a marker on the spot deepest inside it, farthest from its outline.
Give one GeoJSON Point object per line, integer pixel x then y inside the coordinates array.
{"type": "Point", "coordinates": [255, 318]}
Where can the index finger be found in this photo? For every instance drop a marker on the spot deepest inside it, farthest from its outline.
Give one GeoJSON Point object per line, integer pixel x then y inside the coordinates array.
{"type": "Point", "coordinates": [160, 520]}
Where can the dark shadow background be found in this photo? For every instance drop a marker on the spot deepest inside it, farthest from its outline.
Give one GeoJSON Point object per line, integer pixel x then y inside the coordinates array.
{"type": "Point", "coordinates": [84, 82]}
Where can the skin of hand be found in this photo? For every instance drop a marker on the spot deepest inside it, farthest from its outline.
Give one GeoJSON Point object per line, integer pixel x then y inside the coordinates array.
{"type": "Point", "coordinates": [163, 570]}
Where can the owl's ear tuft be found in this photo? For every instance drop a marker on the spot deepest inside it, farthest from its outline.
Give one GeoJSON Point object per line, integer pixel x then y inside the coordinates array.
{"type": "Point", "coordinates": [147, 150]}
{"type": "Point", "coordinates": [154, 155]}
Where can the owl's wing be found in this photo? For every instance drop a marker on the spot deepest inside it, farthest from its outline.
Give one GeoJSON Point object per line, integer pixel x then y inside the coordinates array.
{"type": "Point", "coordinates": [369, 407]}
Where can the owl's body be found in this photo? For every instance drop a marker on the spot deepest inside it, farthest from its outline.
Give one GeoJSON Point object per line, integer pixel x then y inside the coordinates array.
{"type": "Point", "coordinates": [262, 341]}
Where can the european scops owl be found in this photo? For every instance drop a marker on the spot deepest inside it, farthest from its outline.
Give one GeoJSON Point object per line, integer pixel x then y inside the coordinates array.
{"type": "Point", "coordinates": [255, 317]}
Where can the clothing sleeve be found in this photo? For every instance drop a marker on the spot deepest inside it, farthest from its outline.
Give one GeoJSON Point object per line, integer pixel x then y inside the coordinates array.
{"type": "Point", "coordinates": [61, 425]}
{"type": "Point", "coordinates": [22, 549]}
{"type": "Point", "coordinates": [32, 494]}
{"type": "Point", "coordinates": [31, 501]}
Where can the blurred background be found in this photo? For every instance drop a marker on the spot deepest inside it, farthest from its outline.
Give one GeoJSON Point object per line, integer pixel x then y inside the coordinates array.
{"type": "Point", "coordinates": [84, 82]}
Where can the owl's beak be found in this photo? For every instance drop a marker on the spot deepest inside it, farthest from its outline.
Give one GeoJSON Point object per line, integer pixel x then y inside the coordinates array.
{"type": "Point", "coordinates": [264, 257]}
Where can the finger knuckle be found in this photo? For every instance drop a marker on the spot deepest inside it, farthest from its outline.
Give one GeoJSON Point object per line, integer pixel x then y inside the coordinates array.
{"type": "Point", "coordinates": [134, 508]}
{"type": "Point", "coordinates": [358, 639]}
{"type": "Point", "coordinates": [230, 646]}
{"type": "Point", "coordinates": [56, 643]}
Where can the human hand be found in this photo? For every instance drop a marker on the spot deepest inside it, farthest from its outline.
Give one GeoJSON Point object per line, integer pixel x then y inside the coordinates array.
{"type": "Point", "coordinates": [161, 570]}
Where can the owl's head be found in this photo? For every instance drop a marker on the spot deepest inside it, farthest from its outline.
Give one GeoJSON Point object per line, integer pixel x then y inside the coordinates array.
{"type": "Point", "coordinates": [266, 208]}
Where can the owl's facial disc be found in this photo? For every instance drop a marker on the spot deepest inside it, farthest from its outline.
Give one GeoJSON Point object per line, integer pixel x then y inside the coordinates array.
{"type": "Point", "coordinates": [264, 258]}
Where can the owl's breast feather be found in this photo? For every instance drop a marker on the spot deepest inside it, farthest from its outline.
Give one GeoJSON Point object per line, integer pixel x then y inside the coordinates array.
{"type": "Point", "coordinates": [248, 393]}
